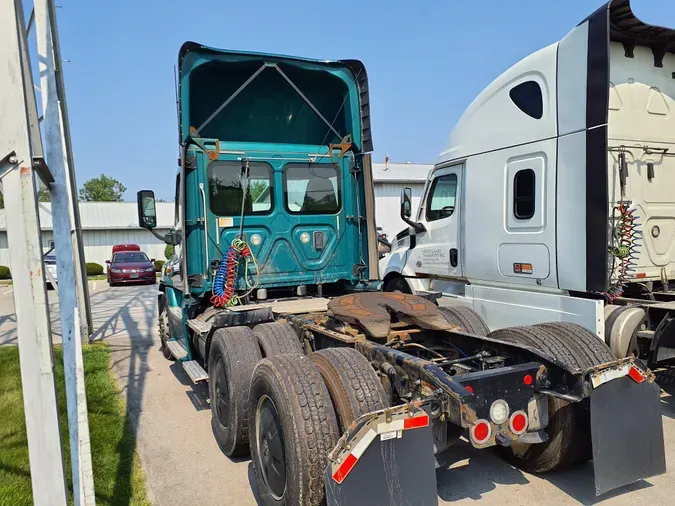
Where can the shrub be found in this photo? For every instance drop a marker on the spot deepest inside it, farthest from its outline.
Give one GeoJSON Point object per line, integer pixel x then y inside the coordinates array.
{"type": "Point", "coordinates": [168, 252]}
{"type": "Point", "coordinates": [4, 272]}
{"type": "Point", "coordinates": [158, 265]}
{"type": "Point", "coordinates": [94, 269]}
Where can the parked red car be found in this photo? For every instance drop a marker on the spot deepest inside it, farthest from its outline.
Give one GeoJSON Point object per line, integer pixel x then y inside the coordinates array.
{"type": "Point", "coordinates": [130, 267]}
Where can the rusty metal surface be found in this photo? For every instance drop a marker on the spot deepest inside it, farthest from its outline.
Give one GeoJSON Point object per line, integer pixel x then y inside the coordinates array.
{"type": "Point", "coordinates": [372, 311]}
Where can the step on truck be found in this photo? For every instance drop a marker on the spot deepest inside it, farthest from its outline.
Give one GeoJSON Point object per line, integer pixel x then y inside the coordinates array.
{"type": "Point", "coordinates": [341, 393]}
{"type": "Point", "coordinates": [554, 197]}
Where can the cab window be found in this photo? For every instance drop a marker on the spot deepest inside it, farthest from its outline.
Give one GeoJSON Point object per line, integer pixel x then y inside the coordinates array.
{"type": "Point", "coordinates": [441, 201]}
{"type": "Point", "coordinates": [225, 188]}
{"type": "Point", "coordinates": [312, 188]}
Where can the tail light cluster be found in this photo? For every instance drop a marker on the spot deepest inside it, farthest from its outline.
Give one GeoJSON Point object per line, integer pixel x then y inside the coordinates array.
{"type": "Point", "coordinates": [481, 431]}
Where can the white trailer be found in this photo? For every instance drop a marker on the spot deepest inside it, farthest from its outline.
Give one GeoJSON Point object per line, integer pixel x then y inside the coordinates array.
{"type": "Point", "coordinates": [554, 197]}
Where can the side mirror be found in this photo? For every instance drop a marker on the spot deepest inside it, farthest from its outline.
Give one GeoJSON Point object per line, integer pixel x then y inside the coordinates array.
{"type": "Point", "coordinates": [406, 203]}
{"type": "Point", "coordinates": [406, 210]}
{"type": "Point", "coordinates": [147, 214]}
{"type": "Point", "coordinates": [107, 261]}
{"type": "Point", "coordinates": [152, 260]}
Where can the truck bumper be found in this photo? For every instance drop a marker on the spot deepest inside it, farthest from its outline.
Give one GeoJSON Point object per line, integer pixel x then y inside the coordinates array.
{"type": "Point", "coordinates": [626, 432]}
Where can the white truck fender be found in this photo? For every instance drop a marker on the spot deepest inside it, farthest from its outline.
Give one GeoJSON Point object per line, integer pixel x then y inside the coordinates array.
{"type": "Point", "coordinates": [397, 262]}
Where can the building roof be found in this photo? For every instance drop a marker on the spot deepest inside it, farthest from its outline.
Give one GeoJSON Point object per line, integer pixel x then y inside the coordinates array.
{"type": "Point", "coordinates": [104, 215]}
{"type": "Point", "coordinates": [400, 172]}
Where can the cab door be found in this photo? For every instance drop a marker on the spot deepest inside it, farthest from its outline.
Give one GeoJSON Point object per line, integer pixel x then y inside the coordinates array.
{"type": "Point", "coordinates": [437, 250]}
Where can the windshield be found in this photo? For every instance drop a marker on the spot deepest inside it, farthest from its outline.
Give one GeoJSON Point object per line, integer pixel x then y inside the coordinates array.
{"type": "Point", "coordinates": [130, 257]}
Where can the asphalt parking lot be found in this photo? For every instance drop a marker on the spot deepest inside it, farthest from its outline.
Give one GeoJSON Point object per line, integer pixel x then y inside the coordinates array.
{"type": "Point", "coordinates": [171, 420]}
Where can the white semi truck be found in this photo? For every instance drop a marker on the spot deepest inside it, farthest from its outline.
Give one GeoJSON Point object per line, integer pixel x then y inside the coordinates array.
{"type": "Point", "coordinates": [554, 197]}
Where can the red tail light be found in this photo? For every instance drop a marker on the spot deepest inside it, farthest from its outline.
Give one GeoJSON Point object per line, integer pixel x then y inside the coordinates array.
{"type": "Point", "coordinates": [518, 422]}
{"type": "Point", "coordinates": [480, 432]}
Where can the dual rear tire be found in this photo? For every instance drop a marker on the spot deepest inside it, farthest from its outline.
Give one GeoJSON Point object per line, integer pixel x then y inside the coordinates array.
{"type": "Point", "coordinates": [568, 429]}
{"type": "Point", "coordinates": [287, 408]}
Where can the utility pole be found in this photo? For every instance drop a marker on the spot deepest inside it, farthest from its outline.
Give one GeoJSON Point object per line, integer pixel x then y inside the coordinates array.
{"type": "Point", "coordinates": [58, 144]}
{"type": "Point", "coordinates": [20, 154]}
{"type": "Point", "coordinates": [54, 125]}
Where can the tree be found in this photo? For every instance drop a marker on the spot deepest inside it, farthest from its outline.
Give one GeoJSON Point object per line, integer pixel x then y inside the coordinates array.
{"type": "Point", "coordinates": [43, 195]}
{"type": "Point", "coordinates": [102, 189]}
{"type": "Point", "coordinates": [256, 189]}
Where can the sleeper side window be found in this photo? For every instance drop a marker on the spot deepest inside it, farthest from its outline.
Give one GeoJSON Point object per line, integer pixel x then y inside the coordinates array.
{"type": "Point", "coordinates": [442, 195]}
{"type": "Point", "coordinates": [524, 187]}
{"type": "Point", "coordinates": [528, 98]}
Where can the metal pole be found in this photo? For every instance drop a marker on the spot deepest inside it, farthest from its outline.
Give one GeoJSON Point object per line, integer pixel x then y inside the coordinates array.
{"type": "Point", "coordinates": [17, 120]}
{"type": "Point", "coordinates": [55, 77]}
{"type": "Point", "coordinates": [55, 154]}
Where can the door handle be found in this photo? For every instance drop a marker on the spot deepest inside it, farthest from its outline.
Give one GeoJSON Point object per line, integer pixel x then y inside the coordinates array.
{"type": "Point", "coordinates": [453, 257]}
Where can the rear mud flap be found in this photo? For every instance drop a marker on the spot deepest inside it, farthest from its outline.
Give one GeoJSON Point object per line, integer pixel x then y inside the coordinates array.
{"type": "Point", "coordinates": [393, 472]}
{"type": "Point", "coordinates": [627, 433]}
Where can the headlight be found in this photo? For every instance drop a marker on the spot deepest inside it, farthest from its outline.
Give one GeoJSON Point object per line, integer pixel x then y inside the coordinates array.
{"type": "Point", "coordinates": [149, 269]}
{"type": "Point", "coordinates": [116, 271]}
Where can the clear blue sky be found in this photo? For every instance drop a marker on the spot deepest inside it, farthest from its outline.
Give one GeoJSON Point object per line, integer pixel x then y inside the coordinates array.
{"type": "Point", "coordinates": [426, 61]}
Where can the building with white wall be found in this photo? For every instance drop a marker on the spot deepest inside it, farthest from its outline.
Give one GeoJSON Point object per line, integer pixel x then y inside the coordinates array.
{"type": "Point", "coordinates": [389, 179]}
{"type": "Point", "coordinates": [104, 224]}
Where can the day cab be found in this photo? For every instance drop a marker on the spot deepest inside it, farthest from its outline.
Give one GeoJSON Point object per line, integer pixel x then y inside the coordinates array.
{"type": "Point", "coordinates": [295, 133]}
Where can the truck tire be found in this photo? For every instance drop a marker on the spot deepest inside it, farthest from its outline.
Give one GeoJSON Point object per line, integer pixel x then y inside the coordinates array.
{"type": "Point", "coordinates": [163, 327]}
{"type": "Point", "coordinates": [293, 428]}
{"type": "Point", "coordinates": [352, 384]}
{"type": "Point", "coordinates": [466, 318]}
{"type": "Point", "coordinates": [569, 423]}
{"type": "Point", "coordinates": [232, 357]}
{"type": "Point", "coordinates": [397, 284]}
{"type": "Point", "coordinates": [276, 338]}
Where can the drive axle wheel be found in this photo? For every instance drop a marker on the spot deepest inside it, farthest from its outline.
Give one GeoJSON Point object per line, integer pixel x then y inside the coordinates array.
{"type": "Point", "coordinates": [466, 318]}
{"type": "Point", "coordinates": [352, 383]}
{"type": "Point", "coordinates": [232, 358]}
{"type": "Point", "coordinates": [568, 428]}
{"type": "Point", "coordinates": [292, 430]}
{"type": "Point", "coordinates": [276, 338]}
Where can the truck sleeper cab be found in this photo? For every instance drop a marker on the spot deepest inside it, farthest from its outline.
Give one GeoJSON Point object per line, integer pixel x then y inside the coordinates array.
{"type": "Point", "coordinates": [553, 198]}
{"type": "Point", "coordinates": [311, 368]}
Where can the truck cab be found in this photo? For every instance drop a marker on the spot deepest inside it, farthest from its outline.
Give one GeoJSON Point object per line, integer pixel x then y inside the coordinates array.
{"type": "Point", "coordinates": [554, 192]}
{"type": "Point", "coordinates": [275, 153]}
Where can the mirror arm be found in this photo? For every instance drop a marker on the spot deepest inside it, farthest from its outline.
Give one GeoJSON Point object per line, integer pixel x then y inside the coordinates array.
{"type": "Point", "coordinates": [419, 228]}
{"type": "Point", "coordinates": [173, 238]}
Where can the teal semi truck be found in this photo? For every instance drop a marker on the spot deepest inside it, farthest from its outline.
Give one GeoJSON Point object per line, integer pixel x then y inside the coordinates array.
{"type": "Point", "coordinates": [344, 394]}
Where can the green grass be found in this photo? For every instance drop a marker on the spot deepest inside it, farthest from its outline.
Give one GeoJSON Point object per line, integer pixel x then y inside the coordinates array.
{"type": "Point", "coordinates": [118, 478]}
